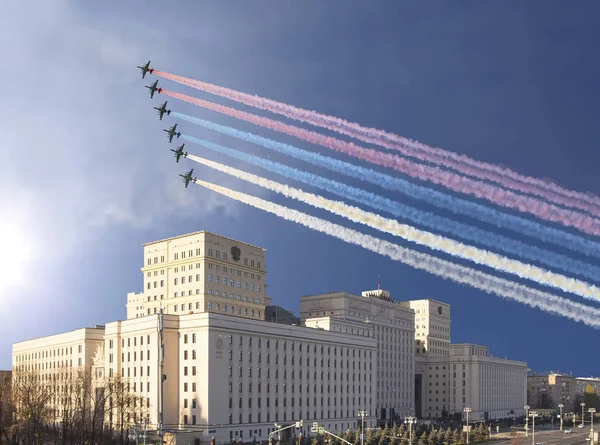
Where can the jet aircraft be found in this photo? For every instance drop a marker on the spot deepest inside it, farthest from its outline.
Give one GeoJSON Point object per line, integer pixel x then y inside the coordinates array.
{"type": "Point", "coordinates": [172, 132]}
{"type": "Point", "coordinates": [153, 89]}
{"type": "Point", "coordinates": [179, 152]}
{"type": "Point", "coordinates": [188, 177]}
{"type": "Point", "coordinates": [146, 69]}
{"type": "Point", "coordinates": [162, 110]}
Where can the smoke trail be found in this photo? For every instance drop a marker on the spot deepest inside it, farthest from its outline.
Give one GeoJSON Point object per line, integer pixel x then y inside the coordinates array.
{"type": "Point", "coordinates": [411, 234]}
{"type": "Point", "coordinates": [427, 219]}
{"type": "Point", "coordinates": [447, 270]}
{"type": "Point", "coordinates": [438, 199]}
{"type": "Point", "coordinates": [423, 172]}
{"type": "Point", "coordinates": [461, 163]}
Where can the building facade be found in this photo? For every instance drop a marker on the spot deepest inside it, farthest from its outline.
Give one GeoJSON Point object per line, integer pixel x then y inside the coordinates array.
{"type": "Point", "coordinates": [201, 272]}
{"type": "Point", "coordinates": [494, 388]}
{"type": "Point", "coordinates": [393, 328]}
{"type": "Point", "coordinates": [547, 390]}
{"type": "Point", "coordinates": [233, 379]}
{"type": "Point", "coordinates": [231, 369]}
{"type": "Point", "coordinates": [58, 358]}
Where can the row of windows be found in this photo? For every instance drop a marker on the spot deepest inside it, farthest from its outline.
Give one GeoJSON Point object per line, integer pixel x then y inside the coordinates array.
{"type": "Point", "coordinates": [232, 297]}
{"type": "Point", "coordinates": [232, 271]}
{"type": "Point", "coordinates": [232, 283]}
{"type": "Point", "coordinates": [47, 354]}
{"type": "Point", "coordinates": [330, 350]}
{"type": "Point", "coordinates": [233, 310]}
{"type": "Point", "coordinates": [349, 413]}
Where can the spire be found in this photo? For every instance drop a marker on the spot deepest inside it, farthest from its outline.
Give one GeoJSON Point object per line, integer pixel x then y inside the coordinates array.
{"type": "Point", "coordinates": [378, 283]}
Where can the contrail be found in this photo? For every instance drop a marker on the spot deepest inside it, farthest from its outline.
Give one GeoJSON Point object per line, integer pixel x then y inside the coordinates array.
{"type": "Point", "coordinates": [434, 197]}
{"type": "Point", "coordinates": [423, 172]}
{"type": "Point", "coordinates": [414, 235]}
{"type": "Point", "coordinates": [461, 163]}
{"type": "Point", "coordinates": [447, 270]}
{"type": "Point", "coordinates": [438, 223]}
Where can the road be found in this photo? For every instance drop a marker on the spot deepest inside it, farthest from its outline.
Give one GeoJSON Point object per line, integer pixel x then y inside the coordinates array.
{"type": "Point", "coordinates": [554, 437]}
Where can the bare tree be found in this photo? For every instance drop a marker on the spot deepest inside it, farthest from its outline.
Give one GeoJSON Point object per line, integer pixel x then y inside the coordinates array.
{"type": "Point", "coordinates": [125, 407]}
{"type": "Point", "coordinates": [6, 405]}
{"type": "Point", "coordinates": [31, 399]}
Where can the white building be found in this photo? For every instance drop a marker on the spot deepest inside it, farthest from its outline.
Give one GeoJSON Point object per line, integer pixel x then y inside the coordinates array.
{"type": "Point", "coordinates": [393, 327]}
{"type": "Point", "coordinates": [233, 379]}
{"type": "Point", "coordinates": [60, 356]}
{"type": "Point", "coordinates": [231, 375]}
{"type": "Point", "coordinates": [494, 388]}
{"type": "Point", "coordinates": [201, 272]}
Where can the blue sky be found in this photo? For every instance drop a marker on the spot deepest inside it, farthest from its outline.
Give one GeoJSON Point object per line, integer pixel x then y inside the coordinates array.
{"type": "Point", "coordinates": [86, 175]}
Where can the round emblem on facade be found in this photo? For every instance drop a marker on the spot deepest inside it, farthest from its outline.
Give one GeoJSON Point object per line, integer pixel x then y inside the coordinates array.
{"type": "Point", "coordinates": [440, 310]}
{"type": "Point", "coordinates": [235, 253]}
{"type": "Point", "coordinates": [219, 343]}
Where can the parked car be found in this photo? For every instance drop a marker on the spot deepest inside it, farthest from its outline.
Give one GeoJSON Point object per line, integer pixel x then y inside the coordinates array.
{"type": "Point", "coordinates": [567, 431]}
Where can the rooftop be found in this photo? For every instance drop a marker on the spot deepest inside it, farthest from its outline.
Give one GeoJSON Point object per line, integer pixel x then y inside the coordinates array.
{"type": "Point", "coordinates": [198, 233]}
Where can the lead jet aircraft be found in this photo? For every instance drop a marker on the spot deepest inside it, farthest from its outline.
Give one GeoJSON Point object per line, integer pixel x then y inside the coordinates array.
{"type": "Point", "coordinates": [146, 69]}
{"type": "Point", "coordinates": [162, 110]}
{"type": "Point", "coordinates": [153, 89]}
{"type": "Point", "coordinates": [179, 152]}
{"type": "Point", "coordinates": [172, 132]}
{"type": "Point", "coordinates": [187, 178]}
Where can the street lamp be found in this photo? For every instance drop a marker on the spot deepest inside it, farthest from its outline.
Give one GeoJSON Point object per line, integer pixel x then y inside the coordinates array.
{"type": "Point", "coordinates": [362, 413]}
{"type": "Point", "coordinates": [582, 406]}
{"type": "Point", "coordinates": [467, 410]}
{"type": "Point", "coordinates": [533, 415]}
{"type": "Point", "coordinates": [592, 411]}
{"type": "Point", "coordinates": [561, 406]}
{"type": "Point", "coordinates": [526, 408]}
{"type": "Point", "coordinates": [410, 421]}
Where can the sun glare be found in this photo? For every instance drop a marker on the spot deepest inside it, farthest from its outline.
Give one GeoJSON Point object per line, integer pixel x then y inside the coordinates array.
{"type": "Point", "coordinates": [16, 252]}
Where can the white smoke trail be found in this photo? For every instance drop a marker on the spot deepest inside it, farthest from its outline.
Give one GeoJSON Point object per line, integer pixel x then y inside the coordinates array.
{"type": "Point", "coordinates": [490, 284]}
{"type": "Point", "coordinates": [421, 237]}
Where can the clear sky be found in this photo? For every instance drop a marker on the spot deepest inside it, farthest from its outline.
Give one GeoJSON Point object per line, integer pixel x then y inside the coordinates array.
{"type": "Point", "coordinates": [86, 175]}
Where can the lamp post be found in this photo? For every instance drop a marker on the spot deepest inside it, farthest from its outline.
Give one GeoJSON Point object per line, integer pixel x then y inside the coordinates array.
{"type": "Point", "coordinates": [561, 406]}
{"type": "Point", "coordinates": [592, 411]}
{"type": "Point", "coordinates": [161, 358]}
{"type": "Point", "coordinates": [582, 406]}
{"type": "Point", "coordinates": [410, 421]}
{"type": "Point", "coordinates": [362, 413]}
{"type": "Point", "coordinates": [526, 408]}
{"type": "Point", "coordinates": [533, 415]}
{"type": "Point", "coordinates": [467, 410]}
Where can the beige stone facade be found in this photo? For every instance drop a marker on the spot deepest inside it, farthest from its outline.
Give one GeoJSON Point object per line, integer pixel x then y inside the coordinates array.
{"type": "Point", "coordinates": [232, 375]}
{"type": "Point", "coordinates": [393, 328]}
{"type": "Point", "coordinates": [201, 272]}
{"type": "Point", "coordinates": [494, 388]}
{"type": "Point", "coordinates": [233, 378]}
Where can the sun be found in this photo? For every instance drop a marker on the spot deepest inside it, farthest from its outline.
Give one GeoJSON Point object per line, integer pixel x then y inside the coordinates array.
{"type": "Point", "coordinates": [16, 253]}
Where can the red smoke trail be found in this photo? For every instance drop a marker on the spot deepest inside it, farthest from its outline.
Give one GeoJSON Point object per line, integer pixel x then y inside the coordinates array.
{"type": "Point", "coordinates": [461, 163]}
{"type": "Point", "coordinates": [435, 175]}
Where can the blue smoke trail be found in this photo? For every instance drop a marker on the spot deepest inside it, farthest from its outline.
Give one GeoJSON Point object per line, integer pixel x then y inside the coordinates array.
{"type": "Point", "coordinates": [438, 199]}
{"type": "Point", "coordinates": [438, 223]}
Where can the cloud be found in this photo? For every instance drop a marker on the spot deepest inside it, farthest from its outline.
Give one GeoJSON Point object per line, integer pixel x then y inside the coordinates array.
{"type": "Point", "coordinates": [83, 147]}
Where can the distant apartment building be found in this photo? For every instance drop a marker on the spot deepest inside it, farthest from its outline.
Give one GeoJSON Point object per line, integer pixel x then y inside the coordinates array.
{"type": "Point", "coordinates": [582, 383]}
{"type": "Point", "coordinates": [547, 390]}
